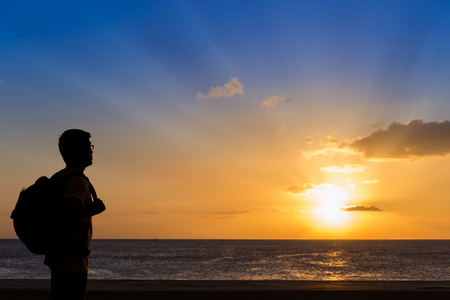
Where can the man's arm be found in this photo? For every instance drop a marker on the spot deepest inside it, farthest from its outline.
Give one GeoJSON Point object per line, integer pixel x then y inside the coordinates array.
{"type": "Point", "coordinates": [77, 204]}
{"type": "Point", "coordinates": [76, 213]}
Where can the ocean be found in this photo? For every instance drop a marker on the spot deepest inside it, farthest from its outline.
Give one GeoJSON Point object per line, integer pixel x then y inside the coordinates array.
{"type": "Point", "coordinates": [422, 260]}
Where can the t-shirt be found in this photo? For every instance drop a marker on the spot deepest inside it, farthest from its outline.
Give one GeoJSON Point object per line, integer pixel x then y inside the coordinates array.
{"type": "Point", "coordinates": [75, 187]}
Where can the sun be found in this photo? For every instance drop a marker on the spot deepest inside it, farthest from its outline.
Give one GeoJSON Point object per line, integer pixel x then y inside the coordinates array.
{"type": "Point", "coordinates": [331, 203]}
{"type": "Point", "coordinates": [332, 214]}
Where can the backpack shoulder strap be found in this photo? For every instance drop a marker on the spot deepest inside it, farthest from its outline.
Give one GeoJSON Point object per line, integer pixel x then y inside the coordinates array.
{"type": "Point", "coordinates": [60, 180]}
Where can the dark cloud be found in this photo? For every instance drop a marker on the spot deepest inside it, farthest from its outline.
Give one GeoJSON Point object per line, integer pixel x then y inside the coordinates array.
{"type": "Point", "coordinates": [405, 141]}
{"type": "Point", "coordinates": [361, 208]}
{"type": "Point", "coordinates": [228, 214]}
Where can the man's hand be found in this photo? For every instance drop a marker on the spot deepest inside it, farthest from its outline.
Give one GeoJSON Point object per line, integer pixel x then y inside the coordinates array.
{"type": "Point", "coordinates": [97, 207]}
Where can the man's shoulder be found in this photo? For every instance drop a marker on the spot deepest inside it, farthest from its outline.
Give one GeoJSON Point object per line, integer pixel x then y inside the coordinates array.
{"type": "Point", "coordinates": [71, 176]}
{"type": "Point", "coordinates": [73, 184]}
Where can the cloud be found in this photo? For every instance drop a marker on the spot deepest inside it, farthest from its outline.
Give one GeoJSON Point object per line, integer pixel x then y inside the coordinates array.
{"type": "Point", "coordinates": [378, 124]}
{"type": "Point", "coordinates": [361, 208]}
{"type": "Point", "coordinates": [347, 169]}
{"type": "Point", "coordinates": [274, 101]}
{"type": "Point", "coordinates": [330, 139]}
{"type": "Point", "coordinates": [300, 189]}
{"type": "Point", "coordinates": [308, 188]}
{"type": "Point", "coordinates": [309, 140]}
{"type": "Point", "coordinates": [404, 141]}
{"type": "Point", "coordinates": [1, 81]}
{"type": "Point", "coordinates": [369, 181]}
{"type": "Point", "coordinates": [227, 214]}
{"type": "Point", "coordinates": [328, 151]}
{"type": "Point", "coordinates": [228, 90]}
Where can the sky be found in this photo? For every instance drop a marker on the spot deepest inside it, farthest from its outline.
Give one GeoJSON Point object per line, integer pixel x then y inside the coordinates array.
{"type": "Point", "coordinates": [254, 119]}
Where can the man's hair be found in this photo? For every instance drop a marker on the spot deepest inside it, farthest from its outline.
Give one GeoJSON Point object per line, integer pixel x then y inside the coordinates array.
{"type": "Point", "coordinates": [69, 141]}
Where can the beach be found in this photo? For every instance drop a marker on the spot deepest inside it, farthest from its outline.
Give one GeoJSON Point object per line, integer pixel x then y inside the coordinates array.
{"type": "Point", "coordinates": [236, 290]}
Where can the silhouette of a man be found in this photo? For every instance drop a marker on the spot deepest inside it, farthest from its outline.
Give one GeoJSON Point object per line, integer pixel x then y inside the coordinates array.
{"type": "Point", "coordinates": [69, 265]}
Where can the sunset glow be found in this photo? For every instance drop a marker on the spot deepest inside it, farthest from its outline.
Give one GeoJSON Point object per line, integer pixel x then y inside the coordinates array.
{"type": "Point", "coordinates": [236, 119]}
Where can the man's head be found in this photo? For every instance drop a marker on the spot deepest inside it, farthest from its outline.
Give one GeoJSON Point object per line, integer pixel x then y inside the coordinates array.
{"type": "Point", "coordinates": [75, 148]}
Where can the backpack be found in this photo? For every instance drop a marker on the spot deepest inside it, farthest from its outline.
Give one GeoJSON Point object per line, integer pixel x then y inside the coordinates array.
{"type": "Point", "coordinates": [35, 216]}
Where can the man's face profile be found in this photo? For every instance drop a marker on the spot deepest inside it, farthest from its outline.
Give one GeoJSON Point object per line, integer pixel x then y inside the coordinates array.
{"type": "Point", "coordinates": [85, 153]}
{"type": "Point", "coordinates": [88, 151]}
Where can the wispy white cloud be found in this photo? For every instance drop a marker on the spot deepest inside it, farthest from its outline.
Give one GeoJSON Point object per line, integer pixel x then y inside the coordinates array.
{"type": "Point", "coordinates": [274, 101]}
{"type": "Point", "coordinates": [347, 169]}
{"type": "Point", "coordinates": [369, 181]}
{"type": "Point", "coordinates": [328, 151]}
{"type": "Point", "coordinates": [228, 90]}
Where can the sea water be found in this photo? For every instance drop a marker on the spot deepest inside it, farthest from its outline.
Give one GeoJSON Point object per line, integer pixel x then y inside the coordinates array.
{"type": "Point", "coordinates": [421, 260]}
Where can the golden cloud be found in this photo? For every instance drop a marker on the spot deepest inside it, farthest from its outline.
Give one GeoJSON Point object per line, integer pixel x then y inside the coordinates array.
{"type": "Point", "coordinates": [273, 101]}
{"type": "Point", "coordinates": [228, 90]}
{"type": "Point", "coordinates": [300, 189]}
{"type": "Point", "coordinates": [329, 151]}
{"type": "Point", "coordinates": [308, 188]}
{"type": "Point", "coordinates": [330, 139]}
{"type": "Point", "coordinates": [347, 169]}
{"type": "Point", "coordinates": [309, 140]}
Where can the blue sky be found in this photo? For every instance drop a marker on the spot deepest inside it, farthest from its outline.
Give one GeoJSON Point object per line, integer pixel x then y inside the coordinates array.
{"type": "Point", "coordinates": [159, 48]}
{"type": "Point", "coordinates": [129, 72]}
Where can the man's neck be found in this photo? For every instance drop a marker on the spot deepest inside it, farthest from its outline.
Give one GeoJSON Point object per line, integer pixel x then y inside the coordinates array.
{"type": "Point", "coordinates": [80, 168]}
